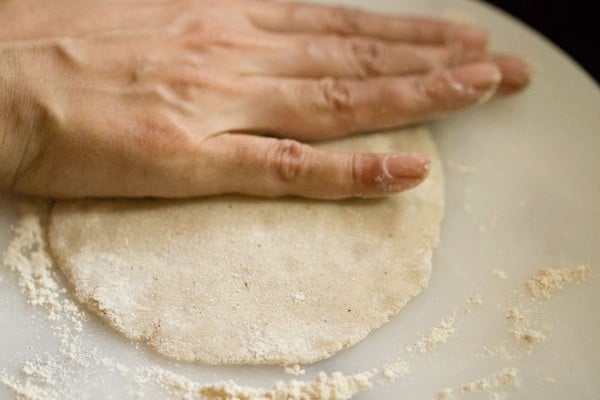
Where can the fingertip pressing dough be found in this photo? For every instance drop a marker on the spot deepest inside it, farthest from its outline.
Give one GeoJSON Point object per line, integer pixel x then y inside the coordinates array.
{"type": "Point", "coordinates": [240, 280]}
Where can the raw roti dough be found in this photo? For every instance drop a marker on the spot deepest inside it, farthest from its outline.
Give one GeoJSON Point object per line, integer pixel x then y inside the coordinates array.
{"type": "Point", "coordinates": [237, 280]}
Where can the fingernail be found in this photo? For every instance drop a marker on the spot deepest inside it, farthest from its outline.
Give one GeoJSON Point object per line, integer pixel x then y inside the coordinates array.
{"type": "Point", "coordinates": [407, 166]}
{"type": "Point", "coordinates": [516, 72]}
{"type": "Point", "coordinates": [482, 78]}
{"type": "Point", "coordinates": [404, 171]}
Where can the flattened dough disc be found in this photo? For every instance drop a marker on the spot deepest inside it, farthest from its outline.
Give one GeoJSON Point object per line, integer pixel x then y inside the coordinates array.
{"type": "Point", "coordinates": [230, 280]}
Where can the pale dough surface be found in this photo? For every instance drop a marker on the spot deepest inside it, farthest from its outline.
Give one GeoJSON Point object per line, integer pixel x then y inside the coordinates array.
{"type": "Point", "coordinates": [230, 280]}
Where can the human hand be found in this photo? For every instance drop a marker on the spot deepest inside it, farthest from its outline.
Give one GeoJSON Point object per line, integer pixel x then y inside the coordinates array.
{"type": "Point", "coordinates": [166, 98]}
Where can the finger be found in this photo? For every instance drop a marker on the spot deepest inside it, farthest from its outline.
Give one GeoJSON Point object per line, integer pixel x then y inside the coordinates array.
{"type": "Point", "coordinates": [272, 167]}
{"type": "Point", "coordinates": [516, 73]}
{"type": "Point", "coordinates": [317, 56]}
{"type": "Point", "coordinates": [295, 17]}
{"type": "Point", "coordinates": [310, 109]}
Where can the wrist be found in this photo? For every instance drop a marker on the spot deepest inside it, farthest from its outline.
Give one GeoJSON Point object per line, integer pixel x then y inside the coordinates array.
{"type": "Point", "coordinates": [17, 118]}
{"type": "Point", "coordinates": [7, 161]}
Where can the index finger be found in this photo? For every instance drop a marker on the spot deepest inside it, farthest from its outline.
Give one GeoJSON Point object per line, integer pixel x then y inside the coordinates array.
{"type": "Point", "coordinates": [300, 17]}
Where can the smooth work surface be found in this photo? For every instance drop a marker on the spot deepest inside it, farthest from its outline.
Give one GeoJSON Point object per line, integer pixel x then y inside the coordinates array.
{"type": "Point", "coordinates": [523, 192]}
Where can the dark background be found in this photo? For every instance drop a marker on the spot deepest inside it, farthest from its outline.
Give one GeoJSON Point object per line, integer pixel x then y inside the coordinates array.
{"type": "Point", "coordinates": [571, 24]}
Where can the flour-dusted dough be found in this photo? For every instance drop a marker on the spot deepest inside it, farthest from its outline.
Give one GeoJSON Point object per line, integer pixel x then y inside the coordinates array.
{"type": "Point", "coordinates": [230, 280]}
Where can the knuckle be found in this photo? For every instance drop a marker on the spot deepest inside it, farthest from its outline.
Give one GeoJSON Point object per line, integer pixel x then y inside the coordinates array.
{"type": "Point", "coordinates": [205, 38]}
{"type": "Point", "coordinates": [68, 51]}
{"type": "Point", "coordinates": [367, 55]}
{"type": "Point", "coordinates": [288, 159]}
{"type": "Point", "coordinates": [180, 95]}
{"type": "Point", "coordinates": [441, 89]}
{"type": "Point", "coordinates": [334, 95]}
{"type": "Point", "coordinates": [356, 169]}
{"type": "Point", "coordinates": [176, 95]}
{"type": "Point", "coordinates": [366, 171]}
{"type": "Point", "coordinates": [139, 73]}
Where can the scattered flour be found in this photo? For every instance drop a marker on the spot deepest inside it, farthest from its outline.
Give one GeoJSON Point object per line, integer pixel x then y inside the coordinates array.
{"type": "Point", "coordinates": [29, 390]}
{"type": "Point", "coordinates": [514, 314]}
{"type": "Point", "coordinates": [395, 371]}
{"type": "Point", "coordinates": [294, 370]}
{"type": "Point", "coordinates": [545, 280]}
{"type": "Point", "coordinates": [476, 299]}
{"type": "Point", "coordinates": [520, 329]}
{"type": "Point", "coordinates": [540, 285]}
{"type": "Point", "coordinates": [494, 384]}
{"type": "Point", "coordinates": [522, 317]}
{"type": "Point", "coordinates": [441, 333]}
{"type": "Point", "coordinates": [438, 335]}
{"type": "Point", "coordinates": [335, 386]}
{"type": "Point", "coordinates": [528, 335]}
{"type": "Point", "coordinates": [42, 370]}
{"type": "Point", "coordinates": [507, 377]}
{"type": "Point", "coordinates": [27, 255]}
{"type": "Point", "coordinates": [444, 394]}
